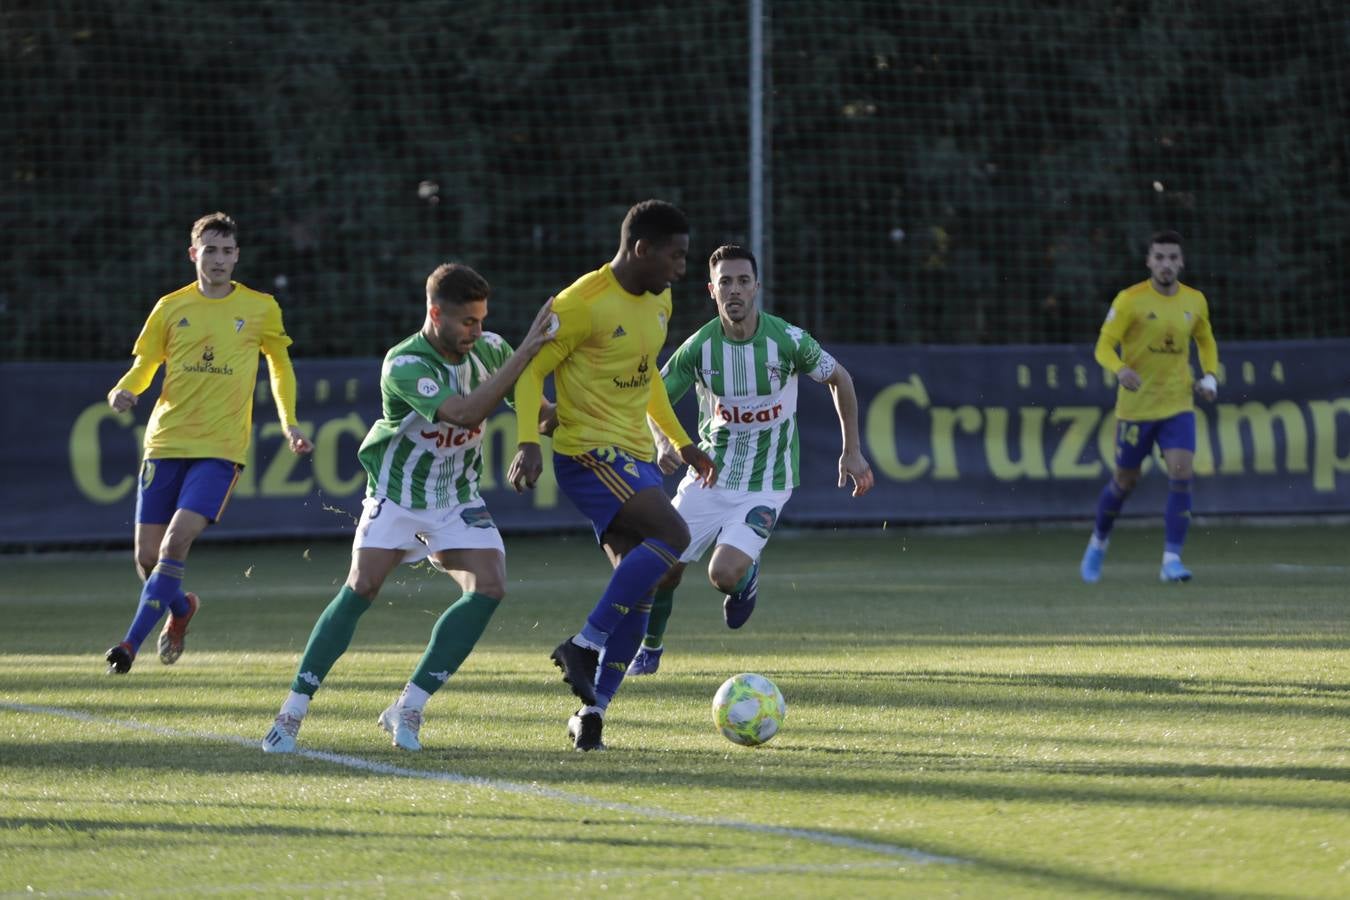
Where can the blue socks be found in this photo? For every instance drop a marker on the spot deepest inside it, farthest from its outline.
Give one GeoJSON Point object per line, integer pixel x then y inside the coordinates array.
{"type": "Point", "coordinates": [163, 590]}
{"type": "Point", "coordinates": [1109, 502]}
{"type": "Point", "coordinates": [619, 651]}
{"type": "Point", "coordinates": [1177, 517]}
{"type": "Point", "coordinates": [630, 585]}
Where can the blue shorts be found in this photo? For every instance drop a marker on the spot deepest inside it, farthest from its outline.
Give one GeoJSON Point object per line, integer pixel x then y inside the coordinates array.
{"type": "Point", "coordinates": [168, 485]}
{"type": "Point", "coordinates": [600, 481]}
{"type": "Point", "coordinates": [1135, 440]}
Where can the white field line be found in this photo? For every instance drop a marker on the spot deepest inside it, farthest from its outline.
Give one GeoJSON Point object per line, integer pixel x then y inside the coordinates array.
{"type": "Point", "coordinates": [1295, 567]}
{"type": "Point", "coordinates": [510, 787]}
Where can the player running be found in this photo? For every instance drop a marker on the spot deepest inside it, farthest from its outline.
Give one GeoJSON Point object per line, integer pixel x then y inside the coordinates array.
{"type": "Point", "coordinates": [208, 336]}
{"type": "Point", "coordinates": [1154, 323]}
{"type": "Point", "coordinates": [744, 365]}
{"type": "Point", "coordinates": [612, 326]}
{"type": "Point", "coordinates": [423, 463]}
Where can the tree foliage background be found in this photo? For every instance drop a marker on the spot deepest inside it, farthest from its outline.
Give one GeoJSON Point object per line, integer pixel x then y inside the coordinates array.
{"type": "Point", "coordinates": [939, 171]}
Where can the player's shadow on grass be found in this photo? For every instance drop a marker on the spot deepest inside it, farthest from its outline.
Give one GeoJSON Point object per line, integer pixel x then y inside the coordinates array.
{"type": "Point", "coordinates": [782, 769]}
{"type": "Point", "coordinates": [120, 831]}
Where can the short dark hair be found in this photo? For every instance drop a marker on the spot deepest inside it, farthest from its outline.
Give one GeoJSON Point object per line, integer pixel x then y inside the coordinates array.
{"type": "Point", "coordinates": [217, 222]}
{"type": "Point", "coordinates": [733, 251]}
{"type": "Point", "coordinates": [455, 283]}
{"type": "Point", "coordinates": [655, 221]}
{"type": "Point", "coordinates": [1165, 237]}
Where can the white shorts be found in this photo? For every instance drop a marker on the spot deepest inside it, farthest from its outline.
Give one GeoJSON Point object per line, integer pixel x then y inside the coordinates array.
{"type": "Point", "coordinates": [385, 525]}
{"type": "Point", "coordinates": [741, 519]}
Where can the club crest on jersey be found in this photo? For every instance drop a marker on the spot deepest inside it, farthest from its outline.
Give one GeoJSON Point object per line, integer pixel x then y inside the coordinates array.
{"type": "Point", "coordinates": [428, 387]}
{"type": "Point", "coordinates": [779, 373]}
{"type": "Point", "coordinates": [238, 325]}
{"type": "Point", "coordinates": [209, 354]}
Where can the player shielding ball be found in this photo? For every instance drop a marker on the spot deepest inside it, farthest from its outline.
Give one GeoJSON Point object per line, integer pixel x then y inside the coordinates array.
{"type": "Point", "coordinates": [207, 335]}
{"type": "Point", "coordinates": [1153, 323]}
{"type": "Point", "coordinates": [612, 325]}
{"type": "Point", "coordinates": [423, 461]}
{"type": "Point", "coordinates": [744, 365]}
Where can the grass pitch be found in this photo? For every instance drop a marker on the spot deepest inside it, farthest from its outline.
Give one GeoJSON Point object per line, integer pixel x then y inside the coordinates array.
{"type": "Point", "coordinates": [964, 718]}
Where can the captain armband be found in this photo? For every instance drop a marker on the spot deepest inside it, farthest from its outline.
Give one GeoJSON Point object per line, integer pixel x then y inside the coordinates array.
{"type": "Point", "coordinates": [824, 368]}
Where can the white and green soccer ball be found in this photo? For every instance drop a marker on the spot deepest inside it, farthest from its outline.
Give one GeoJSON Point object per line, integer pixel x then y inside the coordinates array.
{"type": "Point", "coordinates": [748, 709]}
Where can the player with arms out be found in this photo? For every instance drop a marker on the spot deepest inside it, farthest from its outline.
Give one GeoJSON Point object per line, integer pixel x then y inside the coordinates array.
{"type": "Point", "coordinates": [612, 326]}
{"type": "Point", "coordinates": [1154, 322]}
{"type": "Point", "coordinates": [423, 461]}
{"type": "Point", "coordinates": [207, 336]}
{"type": "Point", "coordinates": [744, 365]}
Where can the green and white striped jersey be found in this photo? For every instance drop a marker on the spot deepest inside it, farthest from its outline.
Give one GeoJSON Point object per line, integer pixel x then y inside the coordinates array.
{"type": "Point", "coordinates": [747, 398]}
{"type": "Point", "coordinates": [409, 457]}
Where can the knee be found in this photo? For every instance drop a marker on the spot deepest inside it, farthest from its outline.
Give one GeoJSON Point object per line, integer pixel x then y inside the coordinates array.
{"type": "Point", "coordinates": [1181, 472]}
{"type": "Point", "coordinates": [494, 588]}
{"type": "Point", "coordinates": [725, 577]}
{"type": "Point", "coordinates": [363, 585]}
{"type": "Point", "coordinates": [671, 580]}
{"type": "Point", "coordinates": [677, 536]}
{"type": "Point", "coordinates": [1126, 481]}
{"type": "Point", "coordinates": [145, 564]}
{"type": "Point", "coordinates": [175, 546]}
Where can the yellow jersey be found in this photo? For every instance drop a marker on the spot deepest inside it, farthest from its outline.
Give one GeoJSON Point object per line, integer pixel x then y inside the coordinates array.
{"type": "Point", "coordinates": [604, 364]}
{"type": "Point", "coordinates": [209, 349]}
{"type": "Point", "coordinates": [1155, 333]}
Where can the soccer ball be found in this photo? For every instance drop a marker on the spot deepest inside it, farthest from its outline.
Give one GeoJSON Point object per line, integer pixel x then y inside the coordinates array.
{"type": "Point", "coordinates": [748, 709]}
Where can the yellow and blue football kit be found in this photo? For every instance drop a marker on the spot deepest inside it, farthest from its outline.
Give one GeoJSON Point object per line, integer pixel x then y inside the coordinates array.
{"type": "Point", "coordinates": [209, 349]}
{"type": "Point", "coordinates": [1154, 332]}
{"type": "Point", "coordinates": [197, 438]}
{"type": "Point", "coordinates": [604, 365]}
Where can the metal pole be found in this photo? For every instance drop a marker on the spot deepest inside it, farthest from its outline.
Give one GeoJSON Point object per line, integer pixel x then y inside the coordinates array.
{"type": "Point", "coordinates": [756, 160]}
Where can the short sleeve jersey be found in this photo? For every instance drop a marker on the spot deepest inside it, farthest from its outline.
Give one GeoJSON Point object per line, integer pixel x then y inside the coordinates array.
{"type": "Point", "coordinates": [409, 457]}
{"type": "Point", "coordinates": [747, 398]}
{"type": "Point", "coordinates": [209, 348]}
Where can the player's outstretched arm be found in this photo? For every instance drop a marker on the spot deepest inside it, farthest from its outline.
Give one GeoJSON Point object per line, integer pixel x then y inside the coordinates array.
{"type": "Point", "coordinates": [469, 409]}
{"type": "Point", "coordinates": [852, 464]}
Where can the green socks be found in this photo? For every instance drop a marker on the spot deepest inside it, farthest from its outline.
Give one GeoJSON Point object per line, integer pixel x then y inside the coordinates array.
{"type": "Point", "coordinates": [663, 602]}
{"type": "Point", "coordinates": [456, 631]}
{"type": "Point", "coordinates": [329, 640]}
